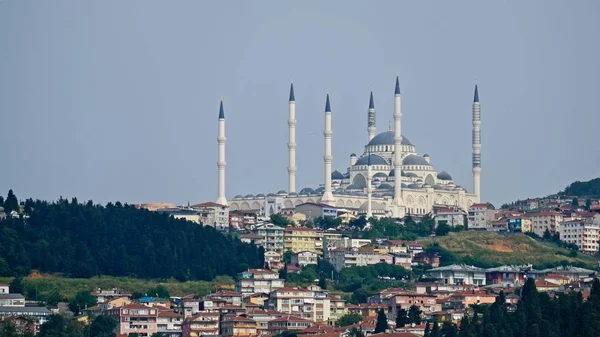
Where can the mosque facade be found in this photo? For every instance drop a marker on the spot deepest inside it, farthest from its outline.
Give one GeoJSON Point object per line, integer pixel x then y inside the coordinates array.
{"type": "Point", "coordinates": [388, 178]}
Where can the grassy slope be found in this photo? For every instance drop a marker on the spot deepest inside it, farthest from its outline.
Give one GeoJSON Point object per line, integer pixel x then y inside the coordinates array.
{"type": "Point", "coordinates": [68, 287]}
{"type": "Point", "coordinates": [495, 249]}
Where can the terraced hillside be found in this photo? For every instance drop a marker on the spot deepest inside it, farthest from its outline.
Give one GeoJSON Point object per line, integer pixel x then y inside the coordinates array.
{"type": "Point", "coordinates": [487, 249]}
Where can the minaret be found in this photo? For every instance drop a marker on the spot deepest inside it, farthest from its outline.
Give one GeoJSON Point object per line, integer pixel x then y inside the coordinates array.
{"type": "Point", "coordinates": [327, 197]}
{"type": "Point", "coordinates": [371, 128]}
{"type": "Point", "coordinates": [476, 145]}
{"type": "Point", "coordinates": [369, 187]}
{"type": "Point", "coordinates": [398, 203]}
{"type": "Point", "coordinates": [221, 164]}
{"type": "Point", "coordinates": [292, 142]}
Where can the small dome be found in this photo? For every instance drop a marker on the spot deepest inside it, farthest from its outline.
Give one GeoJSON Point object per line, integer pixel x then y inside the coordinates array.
{"type": "Point", "coordinates": [337, 175]}
{"type": "Point", "coordinates": [320, 189]}
{"type": "Point", "coordinates": [292, 194]}
{"type": "Point", "coordinates": [249, 196]}
{"type": "Point", "coordinates": [387, 138]}
{"type": "Point", "coordinates": [413, 159]}
{"type": "Point", "coordinates": [239, 196]}
{"type": "Point", "coordinates": [346, 175]}
{"type": "Point", "coordinates": [379, 175]}
{"type": "Point", "coordinates": [403, 185]}
{"type": "Point", "coordinates": [282, 192]}
{"type": "Point", "coordinates": [413, 186]}
{"type": "Point", "coordinates": [388, 194]}
{"type": "Point", "coordinates": [271, 195]}
{"type": "Point", "coordinates": [353, 187]}
{"type": "Point", "coordinates": [260, 195]}
{"type": "Point", "coordinates": [375, 160]}
{"type": "Point", "coordinates": [425, 155]}
{"type": "Point", "coordinates": [444, 176]}
{"type": "Point", "coordinates": [411, 175]}
{"type": "Point", "coordinates": [353, 155]}
{"type": "Point", "coordinates": [306, 191]}
{"type": "Point", "coordinates": [385, 187]}
{"type": "Point", "coordinates": [438, 187]}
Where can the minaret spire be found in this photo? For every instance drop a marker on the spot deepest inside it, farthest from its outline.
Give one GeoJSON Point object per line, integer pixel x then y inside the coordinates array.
{"type": "Point", "coordinates": [371, 127]}
{"type": "Point", "coordinates": [398, 204]}
{"type": "Point", "coordinates": [292, 142]}
{"type": "Point", "coordinates": [221, 164]}
{"type": "Point", "coordinates": [476, 145]}
{"type": "Point", "coordinates": [369, 187]}
{"type": "Point", "coordinates": [327, 197]}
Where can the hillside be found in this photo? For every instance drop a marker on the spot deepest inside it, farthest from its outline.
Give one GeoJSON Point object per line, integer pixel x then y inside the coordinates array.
{"type": "Point", "coordinates": [487, 249]}
{"type": "Point", "coordinates": [83, 240]}
{"type": "Point", "coordinates": [589, 188]}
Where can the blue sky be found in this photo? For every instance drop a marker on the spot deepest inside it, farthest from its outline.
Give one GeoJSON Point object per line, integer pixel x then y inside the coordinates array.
{"type": "Point", "coordinates": [118, 100]}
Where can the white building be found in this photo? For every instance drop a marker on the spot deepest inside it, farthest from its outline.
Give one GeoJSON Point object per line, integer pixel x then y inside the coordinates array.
{"type": "Point", "coordinates": [451, 216]}
{"type": "Point", "coordinates": [480, 216]}
{"type": "Point", "coordinates": [272, 237]}
{"type": "Point", "coordinates": [404, 181]}
{"type": "Point", "coordinates": [213, 215]}
{"type": "Point", "coordinates": [304, 258]}
{"type": "Point", "coordinates": [255, 281]}
{"type": "Point", "coordinates": [459, 274]}
{"type": "Point", "coordinates": [345, 258]}
{"type": "Point", "coordinates": [584, 233]}
{"type": "Point", "coordinates": [4, 289]}
{"type": "Point", "coordinates": [311, 304]}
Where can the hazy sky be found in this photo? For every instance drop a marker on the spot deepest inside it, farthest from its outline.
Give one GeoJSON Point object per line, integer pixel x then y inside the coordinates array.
{"type": "Point", "coordinates": [118, 100]}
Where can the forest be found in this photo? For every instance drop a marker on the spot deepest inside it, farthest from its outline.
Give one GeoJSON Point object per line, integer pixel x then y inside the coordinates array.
{"type": "Point", "coordinates": [83, 240]}
{"type": "Point", "coordinates": [589, 188]}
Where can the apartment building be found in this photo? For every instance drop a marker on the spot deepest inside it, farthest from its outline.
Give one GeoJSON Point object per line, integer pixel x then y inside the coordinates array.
{"type": "Point", "coordinates": [459, 274]}
{"type": "Point", "coordinates": [299, 239]}
{"type": "Point", "coordinates": [169, 323]}
{"type": "Point", "coordinates": [135, 318]}
{"type": "Point", "coordinates": [312, 304]}
{"type": "Point", "coordinates": [12, 300]}
{"type": "Point", "coordinates": [450, 216]}
{"type": "Point", "coordinates": [201, 324]}
{"type": "Point", "coordinates": [480, 216]}
{"type": "Point", "coordinates": [255, 281]}
{"type": "Point", "coordinates": [288, 323]}
{"type": "Point", "coordinates": [304, 258]}
{"type": "Point", "coordinates": [213, 215]}
{"type": "Point", "coordinates": [344, 257]}
{"type": "Point", "coordinates": [238, 326]}
{"type": "Point", "coordinates": [272, 237]}
{"type": "Point", "coordinates": [543, 220]}
{"type": "Point", "coordinates": [584, 233]}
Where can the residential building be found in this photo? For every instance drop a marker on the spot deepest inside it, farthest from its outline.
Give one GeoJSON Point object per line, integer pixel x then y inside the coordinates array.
{"type": "Point", "coordinates": [4, 289]}
{"type": "Point", "coordinates": [459, 274]}
{"type": "Point", "coordinates": [114, 303]}
{"type": "Point", "coordinates": [337, 308]}
{"type": "Point", "coordinates": [39, 315]}
{"type": "Point", "coordinates": [103, 296]}
{"type": "Point", "coordinates": [314, 210]}
{"type": "Point", "coordinates": [288, 323]}
{"type": "Point", "coordinates": [480, 216]}
{"type": "Point", "coordinates": [169, 323]}
{"type": "Point", "coordinates": [395, 299]}
{"type": "Point", "coordinates": [135, 318]}
{"type": "Point", "coordinates": [584, 233]}
{"type": "Point", "coordinates": [304, 258]}
{"type": "Point", "coordinates": [298, 239]}
{"type": "Point", "coordinates": [451, 216]}
{"type": "Point", "coordinates": [343, 257]}
{"type": "Point", "coordinates": [404, 260]}
{"type": "Point", "coordinates": [273, 259]}
{"type": "Point", "coordinates": [506, 275]}
{"type": "Point", "coordinates": [272, 237]}
{"type": "Point", "coordinates": [12, 300]}
{"type": "Point", "coordinates": [519, 223]}
{"type": "Point", "coordinates": [500, 225]}
{"type": "Point", "coordinates": [213, 215]}
{"type": "Point", "coordinates": [182, 213]}
{"type": "Point", "coordinates": [252, 238]}
{"type": "Point", "coordinates": [545, 220]}
{"type": "Point", "coordinates": [432, 259]}
{"type": "Point", "coordinates": [189, 307]}
{"type": "Point", "coordinates": [255, 281]}
{"type": "Point", "coordinates": [311, 304]}
{"type": "Point", "coordinates": [201, 324]}
{"type": "Point", "coordinates": [238, 326]}
{"type": "Point", "coordinates": [346, 242]}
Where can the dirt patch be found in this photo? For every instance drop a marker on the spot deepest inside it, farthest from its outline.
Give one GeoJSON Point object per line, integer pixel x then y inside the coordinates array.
{"type": "Point", "coordinates": [500, 247]}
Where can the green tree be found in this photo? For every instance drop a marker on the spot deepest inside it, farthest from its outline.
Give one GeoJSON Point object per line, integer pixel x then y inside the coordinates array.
{"type": "Point", "coordinates": [322, 281]}
{"type": "Point", "coordinates": [547, 235]}
{"type": "Point", "coordinates": [354, 332]}
{"type": "Point", "coordinates": [449, 330]}
{"type": "Point", "coordinates": [159, 291]}
{"type": "Point", "coordinates": [382, 323]}
{"type": "Point", "coordinates": [16, 285]}
{"type": "Point", "coordinates": [414, 314]}
{"type": "Point", "coordinates": [442, 229]}
{"type": "Point", "coordinates": [279, 220]}
{"type": "Point", "coordinates": [588, 204]}
{"type": "Point", "coordinates": [435, 330]}
{"type": "Point", "coordinates": [11, 203]}
{"type": "Point", "coordinates": [82, 300]}
{"type": "Point", "coordinates": [427, 331]}
{"type": "Point", "coordinates": [8, 329]}
{"type": "Point", "coordinates": [401, 318]}
{"type": "Point", "coordinates": [59, 326]}
{"type": "Point", "coordinates": [102, 326]}
{"type": "Point", "coordinates": [575, 202]}
{"type": "Point", "coordinates": [348, 319]}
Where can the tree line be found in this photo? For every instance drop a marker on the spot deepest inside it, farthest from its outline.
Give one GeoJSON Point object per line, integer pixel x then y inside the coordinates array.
{"type": "Point", "coordinates": [83, 240]}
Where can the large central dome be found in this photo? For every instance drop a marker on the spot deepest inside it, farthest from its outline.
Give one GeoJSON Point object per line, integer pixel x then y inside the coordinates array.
{"type": "Point", "coordinates": [387, 138]}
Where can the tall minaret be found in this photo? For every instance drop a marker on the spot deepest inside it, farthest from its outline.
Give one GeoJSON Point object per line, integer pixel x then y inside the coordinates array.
{"type": "Point", "coordinates": [292, 142]}
{"type": "Point", "coordinates": [327, 197]}
{"type": "Point", "coordinates": [221, 162]}
{"type": "Point", "coordinates": [371, 128]}
{"type": "Point", "coordinates": [369, 187]}
{"type": "Point", "coordinates": [398, 203]}
{"type": "Point", "coordinates": [476, 145]}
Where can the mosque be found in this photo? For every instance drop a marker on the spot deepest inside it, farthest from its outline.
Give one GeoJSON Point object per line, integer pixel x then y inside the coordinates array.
{"type": "Point", "coordinates": [389, 177]}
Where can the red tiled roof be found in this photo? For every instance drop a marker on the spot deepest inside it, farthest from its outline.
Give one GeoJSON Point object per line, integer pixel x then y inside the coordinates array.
{"type": "Point", "coordinates": [227, 293]}
{"type": "Point", "coordinates": [168, 313]}
{"type": "Point", "coordinates": [299, 229]}
{"type": "Point", "coordinates": [208, 204]}
{"type": "Point", "coordinates": [289, 318]}
{"type": "Point", "coordinates": [239, 319]}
